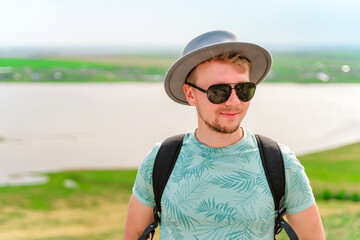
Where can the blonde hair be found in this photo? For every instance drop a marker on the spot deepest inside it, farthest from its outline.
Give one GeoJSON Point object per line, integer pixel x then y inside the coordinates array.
{"type": "Point", "coordinates": [236, 59]}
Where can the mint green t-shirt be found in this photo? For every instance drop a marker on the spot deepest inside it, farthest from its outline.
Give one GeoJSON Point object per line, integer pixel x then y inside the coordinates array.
{"type": "Point", "coordinates": [221, 193]}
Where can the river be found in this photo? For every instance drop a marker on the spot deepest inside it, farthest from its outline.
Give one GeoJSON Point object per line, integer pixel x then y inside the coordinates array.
{"type": "Point", "coordinates": [50, 127]}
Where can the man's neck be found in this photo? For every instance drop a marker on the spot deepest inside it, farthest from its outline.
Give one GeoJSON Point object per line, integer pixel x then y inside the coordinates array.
{"type": "Point", "coordinates": [215, 139]}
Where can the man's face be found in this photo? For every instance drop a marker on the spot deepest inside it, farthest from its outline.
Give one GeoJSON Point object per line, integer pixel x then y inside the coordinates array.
{"type": "Point", "coordinates": [225, 117]}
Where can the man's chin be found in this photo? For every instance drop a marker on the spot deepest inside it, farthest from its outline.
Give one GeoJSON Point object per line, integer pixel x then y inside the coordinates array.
{"type": "Point", "coordinates": [229, 131]}
{"type": "Point", "coordinates": [223, 129]}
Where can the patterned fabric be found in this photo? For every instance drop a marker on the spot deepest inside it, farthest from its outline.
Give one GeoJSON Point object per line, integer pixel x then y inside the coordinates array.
{"type": "Point", "coordinates": [221, 193]}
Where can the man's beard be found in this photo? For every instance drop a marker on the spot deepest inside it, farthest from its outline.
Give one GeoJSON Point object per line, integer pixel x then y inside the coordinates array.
{"type": "Point", "coordinates": [215, 126]}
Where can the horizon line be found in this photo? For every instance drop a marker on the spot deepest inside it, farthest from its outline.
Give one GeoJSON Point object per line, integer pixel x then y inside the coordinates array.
{"type": "Point", "coordinates": [102, 49]}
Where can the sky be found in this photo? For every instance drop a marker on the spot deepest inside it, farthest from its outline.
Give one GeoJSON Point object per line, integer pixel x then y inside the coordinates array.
{"type": "Point", "coordinates": [166, 23]}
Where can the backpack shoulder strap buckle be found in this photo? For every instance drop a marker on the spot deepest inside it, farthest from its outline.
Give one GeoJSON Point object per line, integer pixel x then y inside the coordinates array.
{"type": "Point", "coordinates": [156, 215]}
{"type": "Point", "coordinates": [282, 209]}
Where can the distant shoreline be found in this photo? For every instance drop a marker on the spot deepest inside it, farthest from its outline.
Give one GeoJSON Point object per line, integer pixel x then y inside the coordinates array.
{"type": "Point", "coordinates": [296, 66]}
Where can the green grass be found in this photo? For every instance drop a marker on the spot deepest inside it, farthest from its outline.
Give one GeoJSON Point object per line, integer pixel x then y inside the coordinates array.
{"type": "Point", "coordinates": [334, 173]}
{"type": "Point", "coordinates": [109, 184]}
{"type": "Point", "coordinates": [74, 70]}
{"type": "Point", "coordinates": [300, 67]}
{"type": "Point", "coordinates": [342, 226]}
{"type": "Point", "coordinates": [305, 67]}
{"type": "Point", "coordinates": [95, 209]}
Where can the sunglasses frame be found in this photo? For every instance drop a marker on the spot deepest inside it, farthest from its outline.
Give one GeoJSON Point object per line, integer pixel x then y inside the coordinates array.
{"type": "Point", "coordinates": [226, 84]}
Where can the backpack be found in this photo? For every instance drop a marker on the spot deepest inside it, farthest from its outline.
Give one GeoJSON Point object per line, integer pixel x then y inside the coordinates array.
{"type": "Point", "coordinates": [272, 161]}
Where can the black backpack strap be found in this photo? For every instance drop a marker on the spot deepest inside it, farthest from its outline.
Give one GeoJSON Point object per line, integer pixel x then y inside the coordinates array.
{"type": "Point", "coordinates": [273, 164]}
{"type": "Point", "coordinates": [274, 168]}
{"type": "Point", "coordinates": [163, 165]}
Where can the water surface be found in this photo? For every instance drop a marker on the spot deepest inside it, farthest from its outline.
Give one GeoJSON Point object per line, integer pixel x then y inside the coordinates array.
{"type": "Point", "coordinates": [65, 126]}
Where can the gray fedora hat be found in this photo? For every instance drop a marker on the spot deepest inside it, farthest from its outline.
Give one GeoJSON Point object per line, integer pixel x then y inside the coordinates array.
{"type": "Point", "coordinates": [206, 46]}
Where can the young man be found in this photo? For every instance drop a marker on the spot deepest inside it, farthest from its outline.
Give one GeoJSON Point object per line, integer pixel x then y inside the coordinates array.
{"type": "Point", "coordinates": [218, 188]}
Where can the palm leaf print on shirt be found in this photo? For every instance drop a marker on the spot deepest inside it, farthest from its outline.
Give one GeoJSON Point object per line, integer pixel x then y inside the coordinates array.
{"type": "Point", "coordinates": [172, 230]}
{"type": "Point", "coordinates": [190, 191]}
{"type": "Point", "coordinates": [229, 223]}
{"type": "Point", "coordinates": [146, 170]}
{"type": "Point", "coordinates": [241, 180]}
{"type": "Point", "coordinates": [192, 165]}
{"type": "Point", "coordinates": [176, 212]}
{"type": "Point", "coordinates": [219, 211]}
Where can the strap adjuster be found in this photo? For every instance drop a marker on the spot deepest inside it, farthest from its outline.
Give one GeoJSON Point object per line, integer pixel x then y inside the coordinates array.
{"type": "Point", "coordinates": [156, 215]}
{"type": "Point", "coordinates": [281, 212]}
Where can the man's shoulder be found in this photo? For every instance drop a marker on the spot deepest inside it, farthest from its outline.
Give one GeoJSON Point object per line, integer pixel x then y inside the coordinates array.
{"type": "Point", "coordinates": [151, 155]}
{"type": "Point", "coordinates": [286, 152]}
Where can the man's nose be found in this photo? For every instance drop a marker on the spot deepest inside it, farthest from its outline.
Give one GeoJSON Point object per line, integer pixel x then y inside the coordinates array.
{"type": "Point", "coordinates": [233, 99]}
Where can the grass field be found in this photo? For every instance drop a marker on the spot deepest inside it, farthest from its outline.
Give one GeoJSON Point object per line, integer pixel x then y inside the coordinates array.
{"type": "Point", "coordinates": [335, 174]}
{"type": "Point", "coordinates": [89, 69]}
{"type": "Point", "coordinates": [307, 67]}
{"type": "Point", "coordinates": [301, 67]}
{"type": "Point", "coordinates": [95, 206]}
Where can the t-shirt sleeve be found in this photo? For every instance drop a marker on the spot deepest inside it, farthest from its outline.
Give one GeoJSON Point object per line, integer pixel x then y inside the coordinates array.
{"type": "Point", "coordinates": [143, 188]}
{"type": "Point", "coordinates": [298, 192]}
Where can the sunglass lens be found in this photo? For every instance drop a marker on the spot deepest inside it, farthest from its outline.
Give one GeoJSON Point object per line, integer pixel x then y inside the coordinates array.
{"type": "Point", "coordinates": [245, 91]}
{"type": "Point", "coordinates": [219, 93]}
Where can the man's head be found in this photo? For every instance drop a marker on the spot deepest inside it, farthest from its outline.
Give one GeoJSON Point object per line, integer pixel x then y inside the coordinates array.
{"type": "Point", "coordinates": [228, 75]}
{"type": "Point", "coordinates": [204, 48]}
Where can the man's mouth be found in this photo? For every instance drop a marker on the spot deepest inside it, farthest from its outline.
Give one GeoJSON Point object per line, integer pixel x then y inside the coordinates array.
{"type": "Point", "coordinates": [229, 114]}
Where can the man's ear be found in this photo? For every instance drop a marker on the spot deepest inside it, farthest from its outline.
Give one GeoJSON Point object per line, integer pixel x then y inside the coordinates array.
{"type": "Point", "coordinates": [189, 94]}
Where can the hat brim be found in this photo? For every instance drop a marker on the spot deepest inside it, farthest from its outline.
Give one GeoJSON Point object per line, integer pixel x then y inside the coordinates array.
{"type": "Point", "coordinates": [259, 57]}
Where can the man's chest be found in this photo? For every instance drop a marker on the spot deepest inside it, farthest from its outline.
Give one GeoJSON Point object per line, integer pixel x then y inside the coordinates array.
{"type": "Point", "coordinates": [207, 193]}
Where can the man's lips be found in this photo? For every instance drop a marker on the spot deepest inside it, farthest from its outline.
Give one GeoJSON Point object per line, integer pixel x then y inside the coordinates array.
{"type": "Point", "coordinates": [229, 114]}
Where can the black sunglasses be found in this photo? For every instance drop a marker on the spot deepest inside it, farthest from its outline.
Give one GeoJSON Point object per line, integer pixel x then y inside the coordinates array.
{"type": "Point", "coordinates": [220, 93]}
